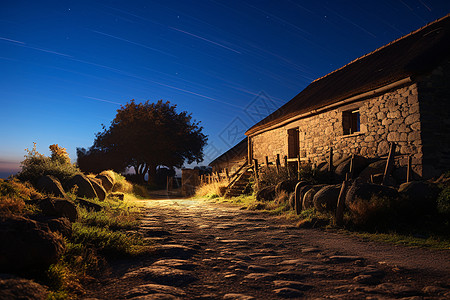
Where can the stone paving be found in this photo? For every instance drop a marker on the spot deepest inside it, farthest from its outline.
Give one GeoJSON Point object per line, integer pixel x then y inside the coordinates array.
{"type": "Point", "coordinates": [214, 251]}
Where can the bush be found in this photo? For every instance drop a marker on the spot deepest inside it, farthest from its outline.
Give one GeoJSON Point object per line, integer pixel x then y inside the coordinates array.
{"type": "Point", "coordinates": [37, 165]}
{"type": "Point", "coordinates": [121, 184]}
{"type": "Point", "coordinates": [378, 213]}
{"type": "Point", "coordinates": [443, 202]}
{"type": "Point", "coordinates": [14, 195]}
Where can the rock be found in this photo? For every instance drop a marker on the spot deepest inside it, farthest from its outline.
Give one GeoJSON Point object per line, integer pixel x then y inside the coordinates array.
{"type": "Point", "coordinates": [89, 205]}
{"type": "Point", "coordinates": [99, 190]}
{"type": "Point", "coordinates": [365, 191]}
{"type": "Point", "coordinates": [233, 296]}
{"type": "Point", "coordinates": [163, 275]}
{"type": "Point", "coordinates": [176, 263]}
{"type": "Point", "coordinates": [257, 269]}
{"type": "Point", "coordinates": [266, 194]}
{"type": "Point", "coordinates": [326, 198]}
{"type": "Point", "coordinates": [366, 279]}
{"type": "Point", "coordinates": [286, 185]}
{"type": "Point", "coordinates": [85, 188]}
{"type": "Point", "coordinates": [18, 288]}
{"type": "Point", "coordinates": [420, 196]}
{"type": "Point", "coordinates": [158, 296]}
{"type": "Point", "coordinates": [298, 196]}
{"type": "Point", "coordinates": [344, 258]}
{"type": "Point", "coordinates": [259, 277]}
{"type": "Point", "coordinates": [288, 292]}
{"type": "Point", "coordinates": [58, 207]}
{"type": "Point", "coordinates": [175, 251]}
{"type": "Point", "coordinates": [117, 195]}
{"type": "Point", "coordinates": [359, 164]}
{"type": "Point", "coordinates": [51, 185]}
{"type": "Point", "coordinates": [107, 181]}
{"type": "Point", "coordinates": [152, 288]}
{"type": "Point", "coordinates": [372, 169]}
{"type": "Point", "coordinates": [292, 284]}
{"type": "Point", "coordinates": [308, 196]}
{"type": "Point", "coordinates": [61, 225]}
{"type": "Point", "coordinates": [27, 244]}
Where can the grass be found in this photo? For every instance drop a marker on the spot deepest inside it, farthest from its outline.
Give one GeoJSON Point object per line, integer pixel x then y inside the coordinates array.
{"type": "Point", "coordinates": [211, 190]}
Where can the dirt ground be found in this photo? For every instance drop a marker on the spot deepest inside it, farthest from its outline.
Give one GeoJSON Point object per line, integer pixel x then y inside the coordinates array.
{"type": "Point", "coordinates": [218, 251]}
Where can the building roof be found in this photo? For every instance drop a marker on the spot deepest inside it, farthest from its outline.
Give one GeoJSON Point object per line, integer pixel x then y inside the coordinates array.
{"type": "Point", "coordinates": [408, 56]}
{"type": "Point", "coordinates": [238, 150]}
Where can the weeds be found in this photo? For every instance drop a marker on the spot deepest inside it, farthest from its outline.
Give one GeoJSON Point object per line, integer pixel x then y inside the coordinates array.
{"type": "Point", "coordinates": [211, 190]}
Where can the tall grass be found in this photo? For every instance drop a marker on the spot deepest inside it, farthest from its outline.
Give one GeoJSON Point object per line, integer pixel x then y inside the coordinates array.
{"type": "Point", "coordinates": [211, 190]}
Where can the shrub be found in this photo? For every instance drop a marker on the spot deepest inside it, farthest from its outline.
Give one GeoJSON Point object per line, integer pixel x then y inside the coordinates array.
{"type": "Point", "coordinates": [378, 213]}
{"type": "Point", "coordinates": [121, 184]}
{"type": "Point", "coordinates": [443, 202]}
{"type": "Point", "coordinates": [13, 196]}
{"type": "Point", "coordinates": [37, 165]}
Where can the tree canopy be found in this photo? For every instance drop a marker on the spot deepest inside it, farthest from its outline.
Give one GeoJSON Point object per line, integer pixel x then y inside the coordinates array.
{"type": "Point", "coordinates": [144, 136]}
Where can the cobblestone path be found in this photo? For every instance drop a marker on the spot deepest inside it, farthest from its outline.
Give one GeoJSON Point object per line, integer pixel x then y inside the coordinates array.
{"type": "Point", "coordinates": [216, 251]}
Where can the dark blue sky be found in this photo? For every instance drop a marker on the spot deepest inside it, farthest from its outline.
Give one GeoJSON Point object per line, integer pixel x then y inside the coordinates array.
{"type": "Point", "coordinates": [67, 66]}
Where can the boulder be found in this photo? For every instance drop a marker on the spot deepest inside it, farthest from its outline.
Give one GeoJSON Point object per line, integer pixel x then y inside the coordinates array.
{"type": "Point", "coordinates": [12, 288]}
{"type": "Point", "coordinates": [308, 196]}
{"type": "Point", "coordinates": [364, 191]}
{"type": "Point", "coordinates": [266, 194]}
{"type": "Point", "coordinates": [108, 180]}
{"type": "Point", "coordinates": [372, 169]}
{"type": "Point", "coordinates": [286, 185]}
{"type": "Point", "coordinates": [99, 190]}
{"type": "Point", "coordinates": [51, 185]}
{"type": "Point", "coordinates": [326, 198]}
{"type": "Point", "coordinates": [359, 164]}
{"type": "Point", "coordinates": [85, 188]}
{"type": "Point", "coordinates": [58, 207]}
{"type": "Point", "coordinates": [88, 204]}
{"type": "Point", "coordinates": [27, 244]}
{"type": "Point", "coordinates": [419, 195]}
{"type": "Point", "coordinates": [61, 225]}
{"type": "Point", "coordinates": [297, 205]}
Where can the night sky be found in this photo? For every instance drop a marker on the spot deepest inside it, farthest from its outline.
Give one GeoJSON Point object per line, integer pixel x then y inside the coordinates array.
{"type": "Point", "coordinates": [67, 66]}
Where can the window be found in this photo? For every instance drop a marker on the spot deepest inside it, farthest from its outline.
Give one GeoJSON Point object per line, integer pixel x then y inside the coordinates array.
{"type": "Point", "coordinates": [293, 143]}
{"type": "Point", "coordinates": [350, 121]}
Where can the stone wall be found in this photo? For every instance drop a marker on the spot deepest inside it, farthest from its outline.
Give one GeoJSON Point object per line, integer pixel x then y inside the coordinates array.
{"type": "Point", "coordinates": [390, 117]}
{"type": "Point", "coordinates": [434, 98]}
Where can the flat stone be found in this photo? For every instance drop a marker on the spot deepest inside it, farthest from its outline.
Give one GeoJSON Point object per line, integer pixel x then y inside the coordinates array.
{"type": "Point", "coordinates": [366, 279]}
{"type": "Point", "coordinates": [154, 289]}
{"type": "Point", "coordinates": [233, 296]}
{"type": "Point", "coordinates": [257, 269]}
{"type": "Point", "coordinates": [158, 296]}
{"type": "Point", "coordinates": [343, 258]}
{"type": "Point", "coordinates": [232, 241]}
{"type": "Point", "coordinates": [176, 263]}
{"type": "Point", "coordinates": [292, 284]}
{"type": "Point", "coordinates": [260, 276]}
{"type": "Point", "coordinates": [290, 275]}
{"type": "Point", "coordinates": [175, 251]}
{"type": "Point", "coordinates": [288, 292]}
{"type": "Point", "coordinates": [310, 250]}
{"type": "Point", "coordinates": [431, 289]}
{"type": "Point", "coordinates": [396, 289]}
{"type": "Point", "coordinates": [289, 262]}
{"type": "Point", "coordinates": [163, 275]}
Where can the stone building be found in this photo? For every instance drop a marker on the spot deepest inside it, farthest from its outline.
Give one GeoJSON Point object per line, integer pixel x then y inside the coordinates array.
{"type": "Point", "coordinates": [231, 160]}
{"type": "Point", "coordinates": [398, 93]}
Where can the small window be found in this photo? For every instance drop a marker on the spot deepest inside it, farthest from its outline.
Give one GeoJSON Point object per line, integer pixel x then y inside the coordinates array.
{"type": "Point", "coordinates": [350, 121]}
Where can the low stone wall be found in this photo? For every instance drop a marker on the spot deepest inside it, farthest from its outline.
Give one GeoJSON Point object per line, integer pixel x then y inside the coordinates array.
{"type": "Point", "coordinates": [390, 117]}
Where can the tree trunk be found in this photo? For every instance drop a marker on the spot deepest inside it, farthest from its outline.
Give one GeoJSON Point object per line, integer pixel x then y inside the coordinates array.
{"type": "Point", "coordinates": [151, 174]}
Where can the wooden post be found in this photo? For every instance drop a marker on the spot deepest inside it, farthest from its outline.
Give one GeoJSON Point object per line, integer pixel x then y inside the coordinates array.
{"type": "Point", "coordinates": [278, 163]}
{"type": "Point", "coordinates": [389, 164]}
{"type": "Point", "coordinates": [298, 167]}
{"type": "Point", "coordinates": [352, 166]}
{"type": "Point", "coordinates": [340, 204]}
{"type": "Point", "coordinates": [267, 162]}
{"type": "Point", "coordinates": [167, 183]}
{"type": "Point", "coordinates": [409, 169]}
{"type": "Point", "coordinates": [286, 165]}
{"type": "Point", "coordinates": [255, 167]}
{"type": "Point", "coordinates": [330, 160]}
{"type": "Point", "coordinates": [227, 174]}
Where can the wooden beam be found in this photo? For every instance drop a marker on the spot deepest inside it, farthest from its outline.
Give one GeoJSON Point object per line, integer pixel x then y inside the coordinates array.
{"type": "Point", "coordinates": [389, 164]}
{"type": "Point", "coordinates": [409, 169]}
{"type": "Point", "coordinates": [341, 204]}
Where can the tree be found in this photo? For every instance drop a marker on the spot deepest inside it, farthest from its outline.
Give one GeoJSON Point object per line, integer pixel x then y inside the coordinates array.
{"type": "Point", "coordinates": [146, 135]}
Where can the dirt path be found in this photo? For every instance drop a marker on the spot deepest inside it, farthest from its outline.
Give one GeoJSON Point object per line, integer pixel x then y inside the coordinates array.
{"type": "Point", "coordinates": [216, 251]}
